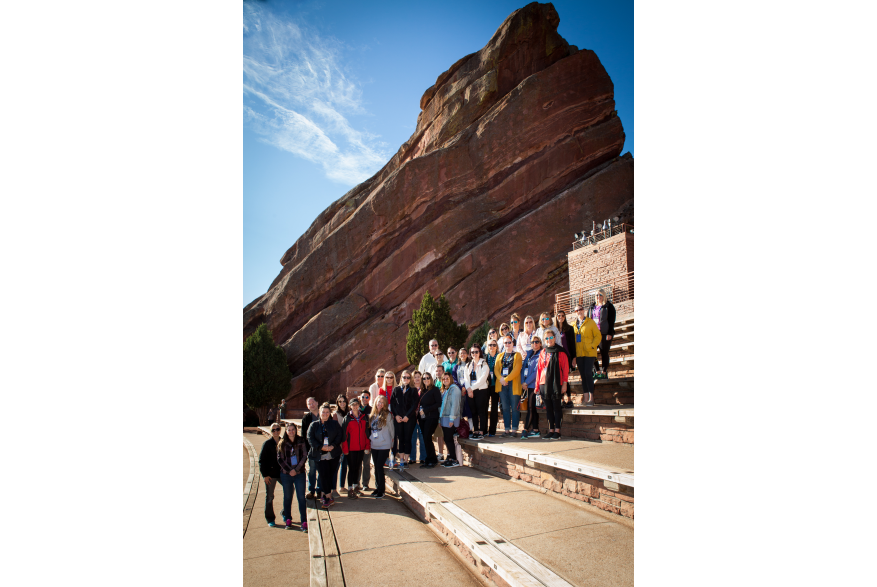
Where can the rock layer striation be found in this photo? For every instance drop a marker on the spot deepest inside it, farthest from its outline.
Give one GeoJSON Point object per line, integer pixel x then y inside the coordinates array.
{"type": "Point", "coordinates": [516, 147]}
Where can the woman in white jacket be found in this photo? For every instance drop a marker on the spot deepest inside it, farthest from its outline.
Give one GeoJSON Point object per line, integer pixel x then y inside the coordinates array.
{"type": "Point", "coordinates": [474, 381]}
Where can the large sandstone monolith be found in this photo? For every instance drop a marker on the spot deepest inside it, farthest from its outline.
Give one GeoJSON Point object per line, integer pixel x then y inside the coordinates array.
{"type": "Point", "coordinates": [516, 148]}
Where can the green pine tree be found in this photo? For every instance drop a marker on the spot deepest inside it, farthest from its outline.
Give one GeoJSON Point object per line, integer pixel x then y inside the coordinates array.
{"type": "Point", "coordinates": [266, 376]}
{"type": "Point", "coordinates": [479, 336]}
{"type": "Point", "coordinates": [433, 320]}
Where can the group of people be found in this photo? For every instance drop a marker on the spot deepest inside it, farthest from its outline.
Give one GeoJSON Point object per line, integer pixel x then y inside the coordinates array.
{"type": "Point", "coordinates": [463, 390]}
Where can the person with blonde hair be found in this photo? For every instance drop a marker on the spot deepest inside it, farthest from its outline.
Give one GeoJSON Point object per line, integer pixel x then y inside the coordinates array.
{"type": "Point", "coordinates": [379, 382]}
{"type": "Point", "coordinates": [546, 323]}
{"type": "Point", "coordinates": [515, 324]}
{"type": "Point", "coordinates": [381, 437]}
{"type": "Point", "coordinates": [525, 338]}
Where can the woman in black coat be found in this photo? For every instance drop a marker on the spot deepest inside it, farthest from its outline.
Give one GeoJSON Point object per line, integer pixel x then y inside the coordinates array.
{"type": "Point", "coordinates": [403, 405]}
{"type": "Point", "coordinates": [603, 313]}
{"type": "Point", "coordinates": [567, 336]}
{"type": "Point", "coordinates": [324, 437]}
{"type": "Point", "coordinates": [430, 403]}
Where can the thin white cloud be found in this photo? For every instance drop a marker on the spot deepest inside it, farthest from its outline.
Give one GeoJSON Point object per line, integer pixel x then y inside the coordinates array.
{"type": "Point", "coordinates": [296, 96]}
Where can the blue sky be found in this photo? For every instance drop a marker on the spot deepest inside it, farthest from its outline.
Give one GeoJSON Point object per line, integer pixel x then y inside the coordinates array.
{"type": "Point", "coordinates": [332, 89]}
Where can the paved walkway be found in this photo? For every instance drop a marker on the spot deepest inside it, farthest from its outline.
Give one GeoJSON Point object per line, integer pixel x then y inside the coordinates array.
{"type": "Point", "coordinates": [356, 543]}
{"type": "Point", "coordinates": [272, 556]}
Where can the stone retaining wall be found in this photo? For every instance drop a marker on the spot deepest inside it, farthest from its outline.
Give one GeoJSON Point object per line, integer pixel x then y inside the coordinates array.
{"type": "Point", "coordinates": [606, 495]}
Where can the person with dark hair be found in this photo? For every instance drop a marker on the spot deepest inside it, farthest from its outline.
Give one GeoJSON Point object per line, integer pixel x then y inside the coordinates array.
{"type": "Point", "coordinates": [476, 379]}
{"type": "Point", "coordinates": [417, 435]}
{"type": "Point", "coordinates": [291, 457]}
{"type": "Point", "coordinates": [566, 402]}
{"type": "Point", "coordinates": [381, 440]}
{"type": "Point", "coordinates": [567, 340]}
{"type": "Point", "coordinates": [324, 436]}
{"type": "Point", "coordinates": [552, 372]}
{"type": "Point", "coordinates": [365, 408]}
{"type": "Point", "coordinates": [270, 471]}
{"type": "Point", "coordinates": [272, 415]}
{"type": "Point", "coordinates": [602, 312]}
{"type": "Point", "coordinates": [464, 365]}
{"type": "Point", "coordinates": [430, 402]}
{"type": "Point", "coordinates": [310, 416]}
{"type": "Point", "coordinates": [450, 364]}
{"type": "Point", "coordinates": [355, 445]}
{"type": "Point", "coordinates": [404, 407]}
{"type": "Point", "coordinates": [449, 417]}
{"type": "Point", "coordinates": [490, 356]}
{"type": "Point", "coordinates": [339, 414]}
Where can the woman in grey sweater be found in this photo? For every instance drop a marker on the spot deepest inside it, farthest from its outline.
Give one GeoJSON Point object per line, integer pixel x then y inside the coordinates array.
{"type": "Point", "coordinates": [381, 440]}
{"type": "Point", "coordinates": [449, 416]}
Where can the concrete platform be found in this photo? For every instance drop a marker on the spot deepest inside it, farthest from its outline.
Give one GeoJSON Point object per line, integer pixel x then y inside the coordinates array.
{"type": "Point", "coordinates": [527, 537]}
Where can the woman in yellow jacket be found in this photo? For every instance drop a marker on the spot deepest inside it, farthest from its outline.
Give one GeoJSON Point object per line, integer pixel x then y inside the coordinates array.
{"type": "Point", "coordinates": [507, 369]}
{"type": "Point", "coordinates": [587, 340]}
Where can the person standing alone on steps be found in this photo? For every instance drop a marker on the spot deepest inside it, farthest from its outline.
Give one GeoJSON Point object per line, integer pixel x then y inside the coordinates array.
{"type": "Point", "coordinates": [270, 471]}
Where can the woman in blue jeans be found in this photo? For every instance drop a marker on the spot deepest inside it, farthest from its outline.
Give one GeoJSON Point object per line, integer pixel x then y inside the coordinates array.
{"type": "Point", "coordinates": [341, 411]}
{"type": "Point", "coordinates": [292, 455]}
{"type": "Point", "coordinates": [507, 370]}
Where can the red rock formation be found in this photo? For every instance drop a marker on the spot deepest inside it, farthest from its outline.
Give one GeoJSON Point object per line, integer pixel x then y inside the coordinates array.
{"type": "Point", "coordinates": [516, 147]}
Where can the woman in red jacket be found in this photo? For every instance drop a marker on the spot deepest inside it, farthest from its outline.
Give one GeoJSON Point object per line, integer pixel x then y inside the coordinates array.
{"type": "Point", "coordinates": [355, 445]}
{"type": "Point", "coordinates": [552, 372]}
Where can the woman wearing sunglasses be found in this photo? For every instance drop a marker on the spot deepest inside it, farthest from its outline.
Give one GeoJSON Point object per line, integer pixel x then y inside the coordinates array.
{"type": "Point", "coordinates": [528, 377]}
{"type": "Point", "coordinates": [417, 435]}
{"type": "Point", "coordinates": [404, 407]}
{"type": "Point", "coordinates": [475, 377]}
{"type": "Point", "coordinates": [490, 356]}
{"type": "Point", "coordinates": [292, 456]}
{"type": "Point", "coordinates": [430, 402]}
{"type": "Point", "coordinates": [449, 416]}
{"type": "Point", "coordinates": [545, 323]}
{"type": "Point", "coordinates": [270, 471]}
{"type": "Point", "coordinates": [379, 383]}
{"type": "Point", "coordinates": [515, 324]}
{"type": "Point", "coordinates": [552, 372]}
{"type": "Point", "coordinates": [507, 369]}
{"type": "Point", "coordinates": [525, 337]}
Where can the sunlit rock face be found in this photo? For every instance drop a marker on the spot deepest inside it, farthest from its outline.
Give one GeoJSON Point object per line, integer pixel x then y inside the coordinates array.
{"type": "Point", "coordinates": [516, 147]}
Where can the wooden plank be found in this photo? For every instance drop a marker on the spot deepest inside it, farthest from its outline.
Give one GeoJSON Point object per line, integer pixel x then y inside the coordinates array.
{"type": "Point", "coordinates": [315, 542]}
{"type": "Point", "coordinates": [536, 569]}
{"type": "Point", "coordinates": [332, 557]}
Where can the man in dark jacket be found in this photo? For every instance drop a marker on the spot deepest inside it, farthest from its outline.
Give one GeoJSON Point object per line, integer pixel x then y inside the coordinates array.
{"type": "Point", "coordinates": [270, 470]}
{"type": "Point", "coordinates": [311, 416]}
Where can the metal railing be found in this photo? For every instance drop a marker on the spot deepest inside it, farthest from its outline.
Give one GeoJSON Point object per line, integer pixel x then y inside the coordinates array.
{"type": "Point", "coordinates": [614, 230]}
{"type": "Point", "coordinates": [618, 289]}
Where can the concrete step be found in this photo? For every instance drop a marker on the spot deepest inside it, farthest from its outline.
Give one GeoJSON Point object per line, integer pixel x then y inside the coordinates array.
{"type": "Point", "coordinates": [608, 424]}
